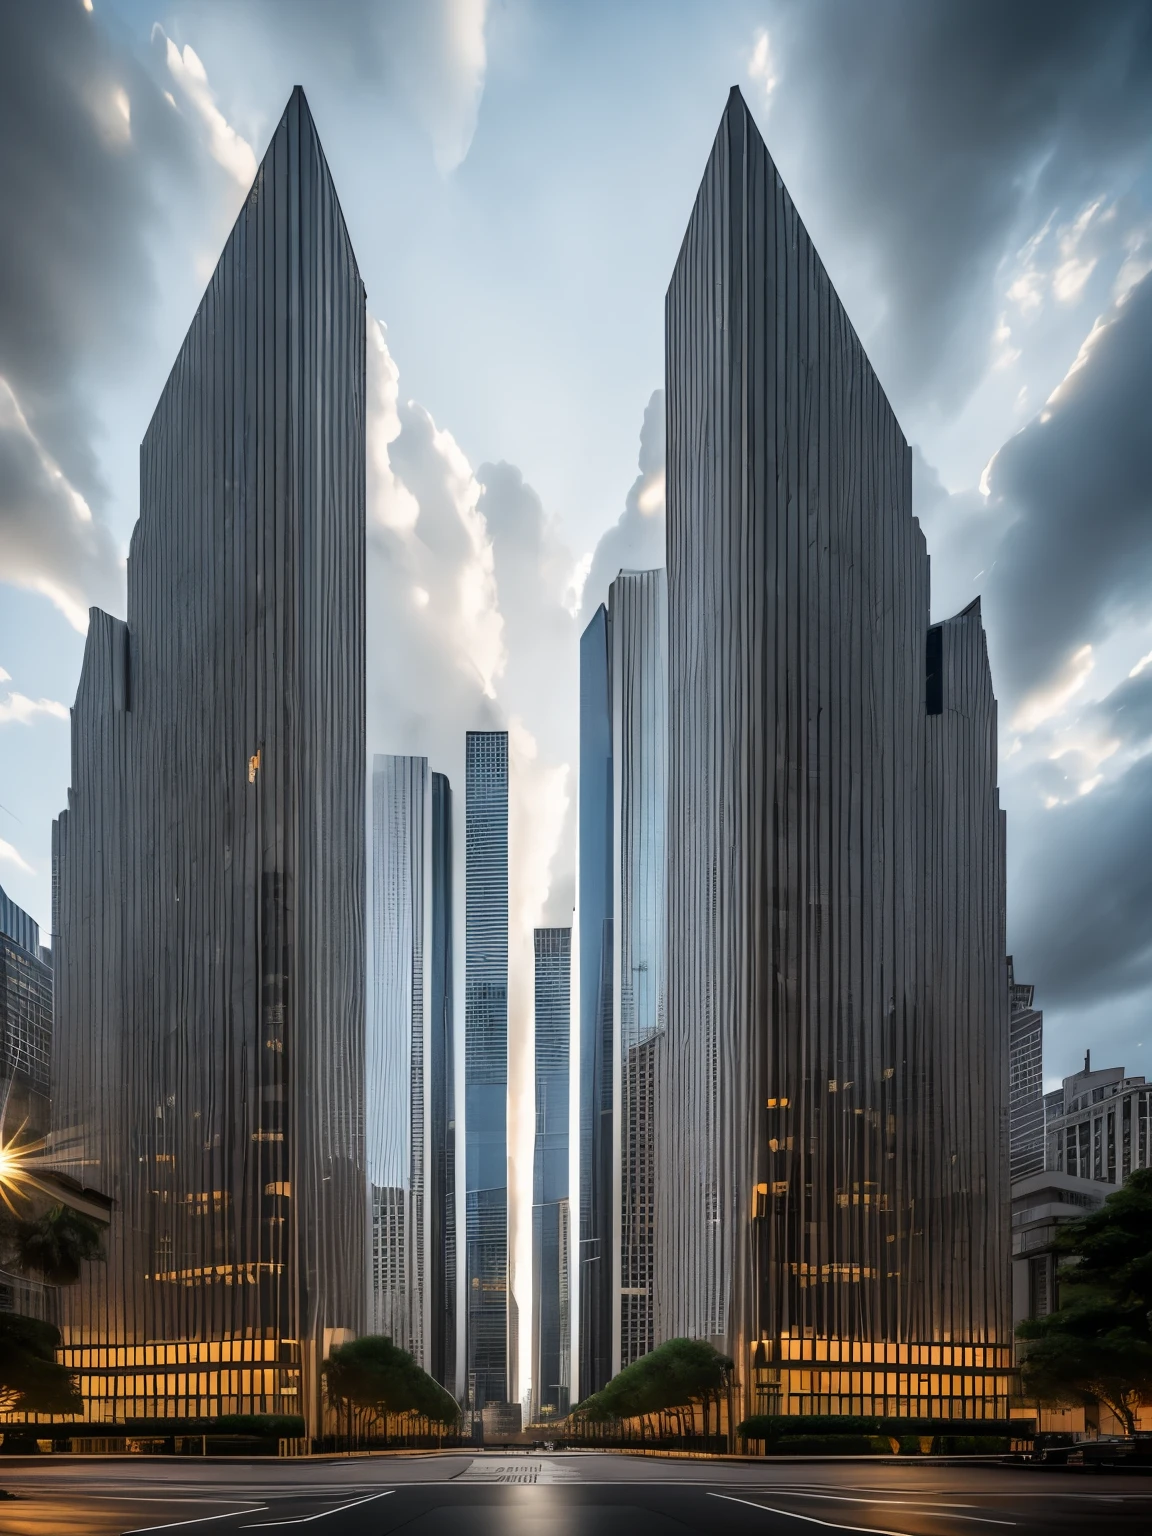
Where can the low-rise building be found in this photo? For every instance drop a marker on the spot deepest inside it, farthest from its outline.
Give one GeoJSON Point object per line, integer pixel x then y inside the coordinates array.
{"type": "Point", "coordinates": [1096, 1132]}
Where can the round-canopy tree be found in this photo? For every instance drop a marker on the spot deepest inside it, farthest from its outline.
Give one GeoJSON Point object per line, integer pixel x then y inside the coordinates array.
{"type": "Point", "coordinates": [1097, 1346]}
{"type": "Point", "coordinates": [376, 1376]}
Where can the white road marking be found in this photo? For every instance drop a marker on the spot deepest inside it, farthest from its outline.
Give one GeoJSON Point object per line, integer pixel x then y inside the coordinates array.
{"type": "Point", "coordinates": [323, 1515]}
{"type": "Point", "coordinates": [920, 1506]}
{"type": "Point", "coordinates": [178, 1525]}
{"type": "Point", "coordinates": [868, 1530]}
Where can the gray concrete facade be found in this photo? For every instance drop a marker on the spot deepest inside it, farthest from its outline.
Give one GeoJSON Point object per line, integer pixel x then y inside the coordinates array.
{"type": "Point", "coordinates": [211, 861]}
{"type": "Point", "coordinates": [832, 1110]}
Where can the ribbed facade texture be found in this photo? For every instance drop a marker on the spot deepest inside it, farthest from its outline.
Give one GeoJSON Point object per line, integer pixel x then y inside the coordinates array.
{"type": "Point", "coordinates": [638, 615]}
{"type": "Point", "coordinates": [442, 1100]}
{"type": "Point", "coordinates": [210, 865]}
{"type": "Point", "coordinates": [551, 1323]}
{"type": "Point", "coordinates": [409, 1061]}
{"type": "Point", "coordinates": [25, 1026]}
{"type": "Point", "coordinates": [1025, 1079]}
{"type": "Point", "coordinates": [486, 1066]}
{"type": "Point", "coordinates": [832, 1107]}
{"type": "Point", "coordinates": [594, 897]}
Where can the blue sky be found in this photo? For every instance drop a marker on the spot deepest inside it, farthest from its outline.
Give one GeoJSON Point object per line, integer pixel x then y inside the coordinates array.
{"type": "Point", "coordinates": [516, 179]}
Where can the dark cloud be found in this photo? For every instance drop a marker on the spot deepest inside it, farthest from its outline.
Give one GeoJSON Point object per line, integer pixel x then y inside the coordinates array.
{"type": "Point", "coordinates": [636, 540]}
{"type": "Point", "coordinates": [1125, 715]}
{"type": "Point", "coordinates": [1084, 929]}
{"type": "Point", "coordinates": [429, 59]}
{"type": "Point", "coordinates": [944, 134]}
{"type": "Point", "coordinates": [85, 135]}
{"type": "Point", "coordinates": [1076, 485]}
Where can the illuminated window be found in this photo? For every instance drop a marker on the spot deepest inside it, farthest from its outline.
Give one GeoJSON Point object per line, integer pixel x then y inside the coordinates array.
{"type": "Point", "coordinates": [253, 765]}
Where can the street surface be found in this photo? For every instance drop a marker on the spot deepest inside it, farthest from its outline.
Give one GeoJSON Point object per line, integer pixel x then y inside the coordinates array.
{"type": "Point", "coordinates": [565, 1494]}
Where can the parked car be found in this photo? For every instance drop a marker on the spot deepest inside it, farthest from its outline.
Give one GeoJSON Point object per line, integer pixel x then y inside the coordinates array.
{"type": "Point", "coordinates": [1113, 1451]}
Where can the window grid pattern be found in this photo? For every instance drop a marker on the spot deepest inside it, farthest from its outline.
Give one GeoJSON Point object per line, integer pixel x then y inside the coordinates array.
{"type": "Point", "coordinates": [486, 1066]}
{"type": "Point", "coordinates": [551, 1343]}
{"type": "Point", "coordinates": [638, 609]}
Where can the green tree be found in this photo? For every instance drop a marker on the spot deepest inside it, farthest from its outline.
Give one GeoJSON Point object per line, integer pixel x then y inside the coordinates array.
{"type": "Point", "coordinates": [1096, 1347]}
{"type": "Point", "coordinates": [30, 1379]}
{"type": "Point", "coordinates": [373, 1375]}
{"type": "Point", "coordinates": [55, 1245]}
{"type": "Point", "coordinates": [664, 1384]}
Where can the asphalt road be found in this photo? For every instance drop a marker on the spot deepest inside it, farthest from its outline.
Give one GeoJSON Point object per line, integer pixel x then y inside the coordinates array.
{"type": "Point", "coordinates": [575, 1494]}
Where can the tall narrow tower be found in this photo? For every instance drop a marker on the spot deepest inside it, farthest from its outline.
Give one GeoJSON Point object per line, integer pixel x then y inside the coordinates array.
{"type": "Point", "coordinates": [210, 1002]}
{"type": "Point", "coordinates": [594, 916]}
{"type": "Point", "coordinates": [409, 1063]}
{"type": "Point", "coordinates": [551, 1317]}
{"type": "Point", "coordinates": [486, 1065]}
{"type": "Point", "coordinates": [832, 1149]}
{"type": "Point", "coordinates": [638, 609]}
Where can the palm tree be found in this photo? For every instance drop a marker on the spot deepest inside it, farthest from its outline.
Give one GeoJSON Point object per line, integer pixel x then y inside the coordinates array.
{"type": "Point", "coordinates": [55, 1245]}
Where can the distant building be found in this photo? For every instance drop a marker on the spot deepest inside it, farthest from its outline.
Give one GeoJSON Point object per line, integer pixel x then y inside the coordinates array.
{"type": "Point", "coordinates": [1098, 1129]}
{"type": "Point", "coordinates": [594, 897]}
{"type": "Point", "coordinates": [638, 611]}
{"type": "Point", "coordinates": [551, 1324]}
{"type": "Point", "coordinates": [623, 753]}
{"type": "Point", "coordinates": [489, 1337]}
{"type": "Point", "coordinates": [25, 1025]}
{"type": "Point", "coordinates": [210, 864]}
{"type": "Point", "coordinates": [410, 1124]}
{"type": "Point", "coordinates": [1100, 1125]}
{"type": "Point", "coordinates": [1025, 1079]}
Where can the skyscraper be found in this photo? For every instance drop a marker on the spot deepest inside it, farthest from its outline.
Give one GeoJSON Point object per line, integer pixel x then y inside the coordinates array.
{"type": "Point", "coordinates": [25, 1025]}
{"type": "Point", "coordinates": [594, 916]}
{"type": "Point", "coordinates": [638, 609]}
{"type": "Point", "coordinates": [409, 1062]}
{"type": "Point", "coordinates": [832, 1110]}
{"type": "Point", "coordinates": [1025, 1079]}
{"type": "Point", "coordinates": [210, 863]}
{"type": "Point", "coordinates": [442, 1163]}
{"type": "Point", "coordinates": [623, 745]}
{"type": "Point", "coordinates": [486, 1065]}
{"type": "Point", "coordinates": [551, 1329]}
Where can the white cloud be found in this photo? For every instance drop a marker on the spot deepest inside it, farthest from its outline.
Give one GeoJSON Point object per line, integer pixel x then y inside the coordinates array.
{"type": "Point", "coordinates": [1137, 262]}
{"type": "Point", "coordinates": [455, 100]}
{"type": "Point", "coordinates": [449, 589]}
{"type": "Point", "coordinates": [574, 591]}
{"type": "Point", "coordinates": [1047, 702]}
{"type": "Point", "coordinates": [49, 541]}
{"type": "Point", "coordinates": [13, 856]}
{"type": "Point", "coordinates": [225, 145]}
{"type": "Point", "coordinates": [1004, 353]}
{"type": "Point", "coordinates": [1027, 291]}
{"type": "Point", "coordinates": [17, 707]}
{"type": "Point", "coordinates": [391, 503]}
{"type": "Point", "coordinates": [762, 64]}
{"type": "Point", "coordinates": [1070, 277]}
{"type": "Point", "coordinates": [5, 677]}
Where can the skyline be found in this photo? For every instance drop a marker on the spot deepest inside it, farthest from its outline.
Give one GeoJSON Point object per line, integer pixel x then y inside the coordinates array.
{"type": "Point", "coordinates": [477, 585]}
